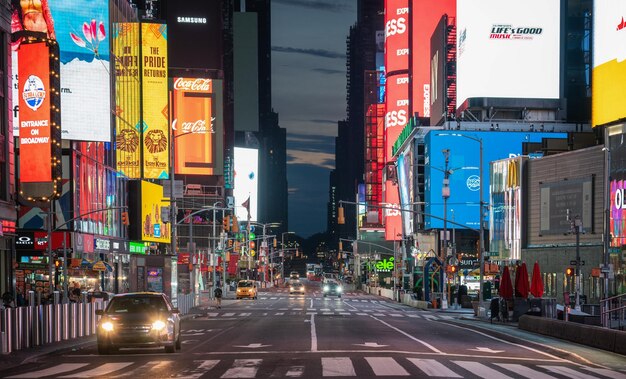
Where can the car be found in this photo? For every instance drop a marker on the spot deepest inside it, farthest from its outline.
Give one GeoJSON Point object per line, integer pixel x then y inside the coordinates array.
{"type": "Point", "coordinates": [246, 288]}
{"type": "Point", "coordinates": [296, 287]}
{"type": "Point", "coordinates": [294, 275]}
{"type": "Point", "coordinates": [138, 319]}
{"type": "Point", "coordinates": [332, 288]}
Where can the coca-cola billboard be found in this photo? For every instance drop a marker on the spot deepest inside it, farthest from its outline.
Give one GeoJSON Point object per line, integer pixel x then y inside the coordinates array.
{"type": "Point", "coordinates": [196, 126]}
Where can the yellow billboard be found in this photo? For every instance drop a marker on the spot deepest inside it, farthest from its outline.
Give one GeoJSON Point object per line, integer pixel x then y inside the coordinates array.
{"type": "Point", "coordinates": [155, 127]}
{"type": "Point", "coordinates": [153, 229]}
{"type": "Point", "coordinates": [127, 95]}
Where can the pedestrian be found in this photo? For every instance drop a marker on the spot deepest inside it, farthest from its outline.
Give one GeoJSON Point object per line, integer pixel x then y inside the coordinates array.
{"type": "Point", "coordinates": [218, 297]}
{"type": "Point", "coordinates": [19, 297]}
{"type": "Point", "coordinates": [75, 293]}
{"type": "Point", "coordinates": [7, 300]}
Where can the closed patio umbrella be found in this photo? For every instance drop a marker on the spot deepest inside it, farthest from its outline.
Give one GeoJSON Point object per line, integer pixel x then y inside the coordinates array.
{"type": "Point", "coordinates": [506, 287]}
{"type": "Point", "coordinates": [536, 284]}
{"type": "Point", "coordinates": [521, 281]}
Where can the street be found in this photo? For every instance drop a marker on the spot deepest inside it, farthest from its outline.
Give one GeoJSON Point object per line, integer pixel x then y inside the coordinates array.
{"type": "Point", "coordinates": [309, 336]}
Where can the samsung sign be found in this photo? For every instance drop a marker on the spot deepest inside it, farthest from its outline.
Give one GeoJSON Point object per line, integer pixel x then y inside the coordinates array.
{"type": "Point", "coordinates": [191, 20]}
{"type": "Point", "coordinates": [464, 165]}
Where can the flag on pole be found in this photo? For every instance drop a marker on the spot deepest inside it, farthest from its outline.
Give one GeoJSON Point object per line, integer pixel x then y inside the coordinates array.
{"type": "Point", "coordinates": [246, 204]}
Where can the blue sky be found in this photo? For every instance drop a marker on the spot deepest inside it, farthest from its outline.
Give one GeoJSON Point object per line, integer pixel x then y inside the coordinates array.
{"type": "Point", "coordinates": [309, 93]}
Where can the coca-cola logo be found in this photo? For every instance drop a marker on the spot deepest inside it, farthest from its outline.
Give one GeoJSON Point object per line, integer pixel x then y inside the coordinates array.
{"type": "Point", "coordinates": [198, 126]}
{"type": "Point", "coordinates": [182, 84]}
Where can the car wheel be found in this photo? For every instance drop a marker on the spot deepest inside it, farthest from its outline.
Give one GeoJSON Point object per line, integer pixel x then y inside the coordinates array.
{"type": "Point", "coordinates": [170, 348]}
{"type": "Point", "coordinates": [103, 349]}
{"type": "Point", "coordinates": [339, 296]}
{"type": "Point", "coordinates": [179, 345]}
{"type": "Point", "coordinates": [324, 295]}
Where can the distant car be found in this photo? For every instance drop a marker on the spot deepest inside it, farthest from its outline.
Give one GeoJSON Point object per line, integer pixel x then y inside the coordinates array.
{"type": "Point", "coordinates": [139, 319]}
{"type": "Point", "coordinates": [296, 287]}
{"type": "Point", "coordinates": [332, 288]}
{"type": "Point", "coordinates": [246, 288]}
{"type": "Point", "coordinates": [294, 275]}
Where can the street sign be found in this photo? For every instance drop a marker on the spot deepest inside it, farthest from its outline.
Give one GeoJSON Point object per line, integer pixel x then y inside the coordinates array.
{"type": "Point", "coordinates": [492, 253]}
{"type": "Point", "coordinates": [178, 188]}
{"type": "Point", "coordinates": [582, 263]}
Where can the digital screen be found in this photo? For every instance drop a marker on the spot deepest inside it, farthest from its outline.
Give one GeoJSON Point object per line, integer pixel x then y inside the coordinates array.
{"type": "Point", "coordinates": [396, 35]}
{"type": "Point", "coordinates": [155, 128]}
{"type": "Point", "coordinates": [508, 49]}
{"type": "Point", "coordinates": [246, 182]}
{"type": "Point", "coordinates": [464, 161]}
{"type": "Point", "coordinates": [609, 67]}
{"type": "Point", "coordinates": [153, 229]}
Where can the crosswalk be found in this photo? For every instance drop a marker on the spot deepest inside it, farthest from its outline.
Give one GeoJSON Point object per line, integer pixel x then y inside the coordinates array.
{"type": "Point", "coordinates": [332, 366]}
{"type": "Point", "coordinates": [316, 292]}
{"type": "Point", "coordinates": [328, 312]}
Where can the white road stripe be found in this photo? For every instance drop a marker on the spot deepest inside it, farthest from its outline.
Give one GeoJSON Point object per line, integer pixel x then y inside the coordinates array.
{"type": "Point", "coordinates": [295, 372]}
{"type": "Point", "coordinates": [431, 347]}
{"type": "Point", "coordinates": [283, 309]}
{"type": "Point", "coordinates": [296, 309]}
{"type": "Point", "coordinates": [386, 366]}
{"type": "Point", "coordinates": [325, 309]}
{"type": "Point", "coordinates": [362, 314]}
{"type": "Point", "coordinates": [480, 370]}
{"type": "Point", "coordinates": [524, 371]}
{"type": "Point", "coordinates": [212, 314]}
{"type": "Point", "coordinates": [54, 370]}
{"type": "Point", "coordinates": [430, 317]}
{"type": "Point", "coordinates": [395, 315]}
{"type": "Point", "coordinates": [345, 313]}
{"type": "Point", "coordinates": [104, 369]}
{"type": "Point", "coordinates": [197, 371]}
{"type": "Point", "coordinates": [610, 373]}
{"type": "Point", "coordinates": [228, 314]}
{"type": "Point", "coordinates": [337, 367]}
{"type": "Point", "coordinates": [245, 314]}
{"type": "Point", "coordinates": [414, 316]}
{"type": "Point", "coordinates": [446, 317]}
{"type": "Point", "coordinates": [279, 313]}
{"type": "Point", "coordinates": [243, 368]}
{"type": "Point", "coordinates": [328, 313]}
{"type": "Point", "coordinates": [378, 314]}
{"type": "Point", "coordinates": [433, 368]}
{"type": "Point", "coordinates": [142, 370]}
{"type": "Point", "coordinates": [313, 334]}
{"type": "Point", "coordinates": [566, 371]}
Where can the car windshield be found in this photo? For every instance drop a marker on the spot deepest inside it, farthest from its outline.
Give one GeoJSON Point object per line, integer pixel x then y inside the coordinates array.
{"type": "Point", "coordinates": [137, 304]}
{"type": "Point", "coordinates": [245, 284]}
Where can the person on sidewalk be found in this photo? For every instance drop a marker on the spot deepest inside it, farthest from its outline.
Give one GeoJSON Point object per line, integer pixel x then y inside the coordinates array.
{"type": "Point", "coordinates": [218, 297]}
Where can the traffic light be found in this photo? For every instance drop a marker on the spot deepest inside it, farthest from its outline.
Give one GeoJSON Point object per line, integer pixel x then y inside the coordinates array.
{"type": "Point", "coordinates": [275, 242]}
{"type": "Point", "coordinates": [252, 244]}
{"type": "Point", "coordinates": [340, 246]}
{"type": "Point", "coordinates": [570, 271]}
{"type": "Point", "coordinates": [226, 223]}
{"type": "Point", "coordinates": [341, 219]}
{"type": "Point", "coordinates": [235, 225]}
{"type": "Point", "coordinates": [125, 218]}
{"type": "Point", "coordinates": [453, 269]}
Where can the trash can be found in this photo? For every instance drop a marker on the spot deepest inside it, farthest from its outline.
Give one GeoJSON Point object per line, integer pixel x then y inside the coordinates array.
{"type": "Point", "coordinates": [486, 290]}
{"type": "Point", "coordinates": [494, 309]}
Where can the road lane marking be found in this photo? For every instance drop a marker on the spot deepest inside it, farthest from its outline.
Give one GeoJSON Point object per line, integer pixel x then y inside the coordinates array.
{"type": "Point", "coordinates": [568, 372]}
{"type": "Point", "coordinates": [345, 313]}
{"type": "Point", "coordinates": [524, 371]}
{"type": "Point", "coordinates": [426, 344]}
{"type": "Point", "coordinates": [480, 370]}
{"type": "Point", "coordinates": [104, 369]}
{"type": "Point", "coordinates": [433, 368]}
{"type": "Point", "coordinates": [313, 334]}
{"type": "Point", "coordinates": [337, 367]}
{"type": "Point", "coordinates": [295, 372]}
{"type": "Point", "coordinates": [362, 314]}
{"type": "Point", "coordinates": [386, 366]}
{"type": "Point", "coordinates": [152, 365]}
{"type": "Point", "coordinates": [228, 314]}
{"type": "Point", "coordinates": [243, 368]}
{"type": "Point", "coordinates": [212, 314]}
{"type": "Point", "coordinates": [199, 370]}
{"type": "Point", "coordinates": [395, 315]}
{"type": "Point", "coordinates": [279, 314]}
{"type": "Point", "coordinates": [245, 314]}
{"type": "Point", "coordinates": [55, 370]}
{"type": "Point", "coordinates": [606, 372]}
{"type": "Point", "coordinates": [311, 304]}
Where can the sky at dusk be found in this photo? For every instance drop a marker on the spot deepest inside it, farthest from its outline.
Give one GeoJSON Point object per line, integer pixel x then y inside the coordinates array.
{"type": "Point", "coordinates": [309, 94]}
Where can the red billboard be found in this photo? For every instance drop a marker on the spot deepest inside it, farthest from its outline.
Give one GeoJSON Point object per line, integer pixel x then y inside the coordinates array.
{"type": "Point", "coordinates": [397, 115]}
{"type": "Point", "coordinates": [396, 35]}
{"type": "Point", "coordinates": [393, 220]}
{"type": "Point", "coordinates": [193, 123]}
{"type": "Point", "coordinates": [425, 15]}
{"type": "Point", "coordinates": [35, 122]}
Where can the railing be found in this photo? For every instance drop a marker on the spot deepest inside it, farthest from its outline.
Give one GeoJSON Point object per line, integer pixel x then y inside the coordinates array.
{"type": "Point", "coordinates": [613, 312]}
{"type": "Point", "coordinates": [36, 325]}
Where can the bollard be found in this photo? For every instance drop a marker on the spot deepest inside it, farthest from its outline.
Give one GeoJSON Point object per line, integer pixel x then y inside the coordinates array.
{"type": "Point", "coordinates": [7, 330]}
{"type": "Point", "coordinates": [73, 320]}
{"type": "Point", "coordinates": [80, 319]}
{"type": "Point", "coordinates": [65, 321]}
{"type": "Point", "coordinates": [57, 297]}
{"type": "Point", "coordinates": [46, 325]}
{"type": "Point", "coordinates": [88, 319]}
{"type": "Point", "coordinates": [35, 326]}
{"type": "Point", "coordinates": [23, 327]}
{"type": "Point", "coordinates": [57, 324]}
{"type": "Point", "coordinates": [31, 298]}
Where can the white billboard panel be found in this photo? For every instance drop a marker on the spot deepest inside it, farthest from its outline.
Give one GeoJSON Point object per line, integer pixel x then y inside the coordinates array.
{"type": "Point", "coordinates": [246, 182]}
{"type": "Point", "coordinates": [508, 49]}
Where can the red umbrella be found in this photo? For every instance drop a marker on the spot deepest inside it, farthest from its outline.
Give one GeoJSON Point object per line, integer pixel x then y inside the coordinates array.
{"type": "Point", "coordinates": [521, 281]}
{"type": "Point", "coordinates": [506, 287]}
{"type": "Point", "coordinates": [536, 284]}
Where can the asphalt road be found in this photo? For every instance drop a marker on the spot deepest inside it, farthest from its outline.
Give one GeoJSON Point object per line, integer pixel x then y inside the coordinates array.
{"type": "Point", "coordinates": [309, 336]}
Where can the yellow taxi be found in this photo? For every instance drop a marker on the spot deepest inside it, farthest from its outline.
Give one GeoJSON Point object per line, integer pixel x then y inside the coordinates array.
{"type": "Point", "coordinates": [246, 289]}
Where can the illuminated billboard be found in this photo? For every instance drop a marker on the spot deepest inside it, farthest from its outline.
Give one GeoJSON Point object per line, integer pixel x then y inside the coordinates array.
{"type": "Point", "coordinates": [508, 49]}
{"type": "Point", "coordinates": [127, 94]}
{"type": "Point", "coordinates": [153, 229]}
{"type": "Point", "coordinates": [464, 164]}
{"type": "Point", "coordinates": [246, 182]}
{"type": "Point", "coordinates": [82, 31]}
{"type": "Point", "coordinates": [425, 15]}
{"type": "Point", "coordinates": [193, 125]}
{"type": "Point", "coordinates": [396, 35]}
{"type": "Point", "coordinates": [155, 127]}
{"type": "Point", "coordinates": [40, 152]}
{"type": "Point", "coordinates": [609, 65]}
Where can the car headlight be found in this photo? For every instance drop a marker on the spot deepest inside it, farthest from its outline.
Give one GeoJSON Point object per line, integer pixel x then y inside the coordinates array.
{"type": "Point", "coordinates": [326, 288]}
{"type": "Point", "coordinates": [107, 326]}
{"type": "Point", "coordinates": [291, 289]}
{"type": "Point", "coordinates": [158, 325]}
{"type": "Point", "coordinates": [339, 289]}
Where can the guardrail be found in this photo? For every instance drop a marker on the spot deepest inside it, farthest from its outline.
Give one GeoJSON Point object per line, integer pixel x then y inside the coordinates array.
{"type": "Point", "coordinates": [36, 325]}
{"type": "Point", "coordinates": [613, 312]}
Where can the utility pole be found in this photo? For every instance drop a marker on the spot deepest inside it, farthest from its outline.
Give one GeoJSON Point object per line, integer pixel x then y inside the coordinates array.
{"type": "Point", "coordinates": [577, 228]}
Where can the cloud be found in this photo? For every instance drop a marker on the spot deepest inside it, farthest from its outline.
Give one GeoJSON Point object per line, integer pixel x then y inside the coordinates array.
{"type": "Point", "coordinates": [315, 52]}
{"type": "Point", "coordinates": [329, 71]}
{"type": "Point", "coordinates": [332, 5]}
{"type": "Point", "coordinates": [332, 122]}
{"type": "Point", "coordinates": [311, 144]}
{"type": "Point", "coordinates": [311, 158]}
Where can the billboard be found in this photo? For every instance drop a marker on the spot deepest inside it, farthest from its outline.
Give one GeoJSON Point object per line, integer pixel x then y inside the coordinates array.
{"type": "Point", "coordinates": [145, 205]}
{"type": "Point", "coordinates": [127, 94]}
{"type": "Point", "coordinates": [393, 220]}
{"type": "Point", "coordinates": [193, 125]}
{"type": "Point", "coordinates": [424, 16]}
{"type": "Point", "coordinates": [438, 73]}
{"type": "Point", "coordinates": [617, 150]}
{"type": "Point", "coordinates": [155, 126]}
{"type": "Point", "coordinates": [40, 152]}
{"type": "Point", "coordinates": [508, 49]}
{"type": "Point", "coordinates": [246, 182]}
{"type": "Point", "coordinates": [81, 28]}
{"type": "Point", "coordinates": [464, 162]}
{"type": "Point", "coordinates": [396, 35]}
{"type": "Point", "coordinates": [609, 67]}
